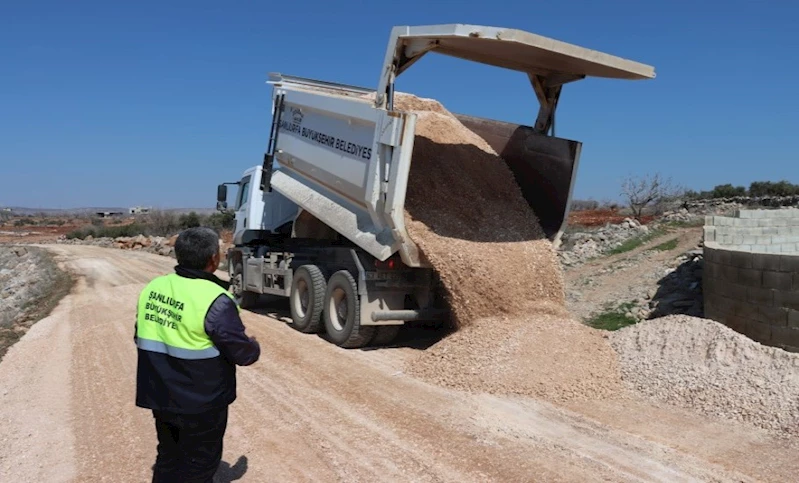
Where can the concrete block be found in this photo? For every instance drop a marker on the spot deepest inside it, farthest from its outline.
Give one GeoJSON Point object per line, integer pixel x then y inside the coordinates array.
{"type": "Point", "coordinates": [764, 240]}
{"type": "Point", "coordinates": [759, 248]}
{"type": "Point", "coordinates": [748, 312]}
{"type": "Point", "coordinates": [764, 222]}
{"type": "Point", "coordinates": [750, 277]}
{"type": "Point", "coordinates": [789, 263]}
{"type": "Point", "coordinates": [772, 315]}
{"type": "Point", "coordinates": [769, 230]}
{"type": "Point", "coordinates": [777, 280]}
{"type": "Point", "coordinates": [744, 214]}
{"type": "Point", "coordinates": [780, 239]}
{"type": "Point", "coordinates": [758, 332]}
{"type": "Point", "coordinates": [785, 335]}
{"type": "Point", "coordinates": [729, 273]}
{"type": "Point", "coordinates": [779, 222]}
{"type": "Point", "coordinates": [709, 220]}
{"type": "Point", "coordinates": [787, 299]}
{"type": "Point", "coordinates": [709, 255]}
{"type": "Point", "coordinates": [773, 249]}
{"type": "Point", "coordinates": [762, 261]}
{"type": "Point", "coordinates": [709, 233]}
{"type": "Point", "coordinates": [795, 286]}
{"type": "Point", "coordinates": [722, 221]}
{"type": "Point", "coordinates": [724, 257]}
{"type": "Point", "coordinates": [788, 247]}
{"type": "Point", "coordinates": [741, 259]}
{"type": "Point", "coordinates": [738, 324]}
{"type": "Point", "coordinates": [710, 269]}
{"type": "Point", "coordinates": [749, 240]}
{"type": "Point", "coordinates": [737, 239]}
{"type": "Point", "coordinates": [760, 296]}
{"type": "Point", "coordinates": [793, 318]}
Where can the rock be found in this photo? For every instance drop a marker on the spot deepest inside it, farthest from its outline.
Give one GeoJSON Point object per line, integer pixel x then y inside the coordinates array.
{"type": "Point", "coordinates": [141, 241]}
{"type": "Point", "coordinates": [20, 251]}
{"type": "Point", "coordinates": [172, 240]}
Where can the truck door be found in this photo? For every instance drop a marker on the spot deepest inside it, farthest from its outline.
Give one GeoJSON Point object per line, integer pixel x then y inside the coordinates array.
{"type": "Point", "coordinates": [243, 204]}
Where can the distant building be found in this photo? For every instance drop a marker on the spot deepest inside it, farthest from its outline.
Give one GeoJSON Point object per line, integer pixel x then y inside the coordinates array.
{"type": "Point", "coordinates": [108, 214]}
{"type": "Point", "coordinates": [7, 210]}
{"type": "Point", "coordinates": [139, 210]}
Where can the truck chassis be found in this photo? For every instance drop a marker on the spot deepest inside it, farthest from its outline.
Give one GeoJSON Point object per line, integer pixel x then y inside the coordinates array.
{"type": "Point", "coordinates": [335, 288]}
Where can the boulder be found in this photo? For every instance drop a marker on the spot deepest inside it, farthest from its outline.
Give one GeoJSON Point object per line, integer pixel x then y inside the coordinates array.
{"type": "Point", "coordinates": [172, 240]}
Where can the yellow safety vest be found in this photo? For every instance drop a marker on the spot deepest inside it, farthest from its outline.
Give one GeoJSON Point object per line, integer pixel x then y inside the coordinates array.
{"type": "Point", "coordinates": [171, 317]}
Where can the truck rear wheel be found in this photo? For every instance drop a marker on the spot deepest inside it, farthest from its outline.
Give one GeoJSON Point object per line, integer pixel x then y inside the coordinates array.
{"type": "Point", "coordinates": [244, 299]}
{"type": "Point", "coordinates": [307, 298]}
{"type": "Point", "coordinates": [342, 312]}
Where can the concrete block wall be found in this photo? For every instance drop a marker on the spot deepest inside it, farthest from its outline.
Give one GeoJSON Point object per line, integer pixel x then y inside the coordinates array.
{"type": "Point", "coordinates": [753, 291]}
{"type": "Point", "coordinates": [757, 231]}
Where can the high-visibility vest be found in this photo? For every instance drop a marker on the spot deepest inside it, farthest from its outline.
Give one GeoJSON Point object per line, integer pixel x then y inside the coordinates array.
{"type": "Point", "coordinates": [171, 317]}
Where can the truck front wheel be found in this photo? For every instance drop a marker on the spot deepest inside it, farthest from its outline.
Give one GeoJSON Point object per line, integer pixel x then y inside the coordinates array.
{"type": "Point", "coordinates": [307, 298]}
{"type": "Point", "coordinates": [342, 313]}
{"type": "Point", "coordinates": [244, 299]}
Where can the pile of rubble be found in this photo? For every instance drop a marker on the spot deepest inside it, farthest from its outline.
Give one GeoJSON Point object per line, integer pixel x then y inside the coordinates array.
{"type": "Point", "coordinates": [150, 244]}
{"type": "Point", "coordinates": [579, 247]}
{"type": "Point", "coordinates": [681, 215]}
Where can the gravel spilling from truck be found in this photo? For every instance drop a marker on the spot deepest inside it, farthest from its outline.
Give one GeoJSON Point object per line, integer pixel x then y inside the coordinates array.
{"type": "Point", "coordinates": [703, 365]}
{"type": "Point", "coordinates": [505, 287]}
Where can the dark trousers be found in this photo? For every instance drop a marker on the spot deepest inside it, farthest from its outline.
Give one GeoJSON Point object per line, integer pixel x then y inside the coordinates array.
{"type": "Point", "coordinates": [189, 445]}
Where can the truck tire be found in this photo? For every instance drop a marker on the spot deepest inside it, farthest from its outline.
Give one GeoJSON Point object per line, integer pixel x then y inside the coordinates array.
{"type": "Point", "coordinates": [385, 334]}
{"type": "Point", "coordinates": [307, 299]}
{"type": "Point", "coordinates": [244, 299]}
{"type": "Point", "coordinates": [342, 313]}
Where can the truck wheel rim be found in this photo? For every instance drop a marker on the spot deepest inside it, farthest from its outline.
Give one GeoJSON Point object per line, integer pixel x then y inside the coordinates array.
{"type": "Point", "coordinates": [302, 300]}
{"type": "Point", "coordinates": [338, 309]}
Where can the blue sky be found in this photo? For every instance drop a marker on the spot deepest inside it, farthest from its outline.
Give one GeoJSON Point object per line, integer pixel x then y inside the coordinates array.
{"type": "Point", "coordinates": [118, 104]}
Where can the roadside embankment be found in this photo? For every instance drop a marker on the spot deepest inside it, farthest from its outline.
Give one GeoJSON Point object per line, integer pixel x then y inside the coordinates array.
{"type": "Point", "coordinates": [32, 284]}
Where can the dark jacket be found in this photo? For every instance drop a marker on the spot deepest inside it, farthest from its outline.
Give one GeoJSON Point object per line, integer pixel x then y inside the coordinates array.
{"type": "Point", "coordinates": [165, 383]}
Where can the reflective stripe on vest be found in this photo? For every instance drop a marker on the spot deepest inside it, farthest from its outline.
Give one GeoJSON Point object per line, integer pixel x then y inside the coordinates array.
{"type": "Point", "coordinates": [171, 317]}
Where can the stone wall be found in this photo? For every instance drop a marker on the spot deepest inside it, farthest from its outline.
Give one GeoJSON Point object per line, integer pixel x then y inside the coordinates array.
{"type": "Point", "coordinates": [747, 288]}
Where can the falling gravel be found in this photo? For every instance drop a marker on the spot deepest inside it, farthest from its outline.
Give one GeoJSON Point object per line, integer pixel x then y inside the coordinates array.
{"type": "Point", "coordinates": [466, 213]}
{"type": "Point", "coordinates": [703, 365]}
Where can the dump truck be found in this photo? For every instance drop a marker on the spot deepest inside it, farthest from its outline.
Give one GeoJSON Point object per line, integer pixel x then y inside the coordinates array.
{"type": "Point", "coordinates": [321, 219]}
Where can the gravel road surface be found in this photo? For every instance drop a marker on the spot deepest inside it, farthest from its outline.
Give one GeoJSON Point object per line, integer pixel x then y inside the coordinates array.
{"type": "Point", "coordinates": [309, 411]}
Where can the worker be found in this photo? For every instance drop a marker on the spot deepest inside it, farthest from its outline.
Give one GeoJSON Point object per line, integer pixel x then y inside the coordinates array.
{"type": "Point", "coordinates": [190, 339]}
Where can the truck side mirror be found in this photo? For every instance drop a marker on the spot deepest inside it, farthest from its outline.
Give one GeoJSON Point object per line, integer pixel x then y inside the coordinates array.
{"type": "Point", "coordinates": [221, 205]}
{"type": "Point", "coordinates": [221, 194]}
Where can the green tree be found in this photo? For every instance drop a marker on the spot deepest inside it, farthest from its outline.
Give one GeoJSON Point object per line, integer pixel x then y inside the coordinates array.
{"type": "Point", "coordinates": [189, 220]}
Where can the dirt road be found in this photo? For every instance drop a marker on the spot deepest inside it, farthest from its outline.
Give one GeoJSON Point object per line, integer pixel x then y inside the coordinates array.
{"type": "Point", "coordinates": [309, 411]}
{"type": "Point", "coordinates": [625, 276]}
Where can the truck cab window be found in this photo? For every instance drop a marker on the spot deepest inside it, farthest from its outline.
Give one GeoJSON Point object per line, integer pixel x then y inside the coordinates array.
{"type": "Point", "coordinates": [243, 192]}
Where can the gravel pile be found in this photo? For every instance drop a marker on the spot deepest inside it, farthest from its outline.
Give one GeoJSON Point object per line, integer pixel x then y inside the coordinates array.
{"type": "Point", "coordinates": [703, 365]}
{"type": "Point", "coordinates": [467, 215]}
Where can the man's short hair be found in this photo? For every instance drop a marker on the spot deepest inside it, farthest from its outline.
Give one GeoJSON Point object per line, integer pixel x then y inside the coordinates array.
{"type": "Point", "coordinates": [195, 247]}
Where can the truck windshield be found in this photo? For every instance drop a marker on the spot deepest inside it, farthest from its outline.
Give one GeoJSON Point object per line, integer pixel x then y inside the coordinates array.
{"type": "Point", "coordinates": [244, 192]}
